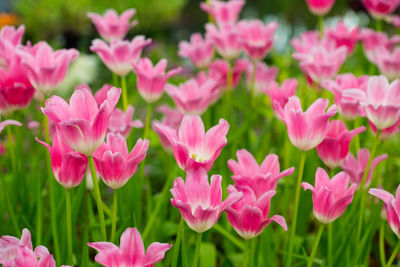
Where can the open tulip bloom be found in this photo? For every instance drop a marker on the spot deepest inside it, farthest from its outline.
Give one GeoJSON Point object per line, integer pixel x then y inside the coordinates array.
{"type": "Point", "coordinates": [320, 7]}
{"type": "Point", "coordinates": [200, 51]}
{"type": "Point", "coordinates": [223, 12]}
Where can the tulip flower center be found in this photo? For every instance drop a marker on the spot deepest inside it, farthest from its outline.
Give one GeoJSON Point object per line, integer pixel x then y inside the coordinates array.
{"type": "Point", "coordinates": [196, 157]}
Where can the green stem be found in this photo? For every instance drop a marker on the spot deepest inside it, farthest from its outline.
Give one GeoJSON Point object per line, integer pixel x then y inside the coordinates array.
{"type": "Point", "coordinates": [177, 244]}
{"type": "Point", "coordinates": [246, 255]}
{"type": "Point", "coordinates": [38, 211]}
{"type": "Point", "coordinates": [69, 226]}
{"type": "Point", "coordinates": [99, 202]}
{"type": "Point", "coordinates": [252, 84]}
{"type": "Point", "coordinates": [252, 249]}
{"type": "Point", "coordinates": [197, 250]}
{"type": "Point", "coordinates": [228, 93]}
{"type": "Point", "coordinates": [115, 79]}
{"type": "Point", "coordinates": [14, 175]}
{"type": "Point", "coordinates": [148, 120]}
{"type": "Point", "coordinates": [296, 207]}
{"type": "Point", "coordinates": [378, 25]}
{"type": "Point", "coordinates": [382, 255]}
{"type": "Point", "coordinates": [114, 215]}
{"type": "Point", "coordinates": [357, 137]}
{"type": "Point", "coordinates": [124, 93]}
{"type": "Point", "coordinates": [315, 247]}
{"type": "Point", "coordinates": [330, 240]}
{"type": "Point", "coordinates": [391, 259]}
{"type": "Point", "coordinates": [229, 236]}
{"type": "Point", "coordinates": [321, 26]}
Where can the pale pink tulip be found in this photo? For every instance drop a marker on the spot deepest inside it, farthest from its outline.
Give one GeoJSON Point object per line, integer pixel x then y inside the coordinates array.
{"type": "Point", "coordinates": [119, 55]}
{"type": "Point", "coordinates": [257, 38]}
{"type": "Point", "coordinates": [227, 40]}
{"type": "Point", "coordinates": [385, 133]}
{"type": "Point", "coordinates": [193, 147]}
{"type": "Point", "coordinates": [111, 26]}
{"type": "Point", "coordinates": [392, 207]}
{"type": "Point", "coordinates": [335, 147]}
{"type": "Point", "coordinates": [306, 129]}
{"type": "Point", "coordinates": [81, 123]}
{"type": "Point", "coordinates": [121, 122]}
{"type": "Point", "coordinates": [223, 12]}
{"type": "Point", "coordinates": [380, 8]}
{"type": "Point", "coordinates": [10, 38]}
{"type": "Point", "coordinates": [381, 101]}
{"type": "Point", "coordinates": [191, 97]}
{"type": "Point", "coordinates": [200, 51]}
{"type": "Point", "coordinates": [343, 36]}
{"type": "Point", "coordinates": [131, 251]}
{"type": "Point", "coordinates": [151, 79]}
{"type": "Point", "coordinates": [388, 62]}
{"type": "Point", "coordinates": [200, 202]}
{"type": "Point", "coordinates": [115, 163]}
{"type": "Point", "coordinates": [330, 196]}
{"type": "Point", "coordinates": [320, 7]}
{"type": "Point", "coordinates": [356, 167]}
{"type": "Point", "coordinates": [348, 106]}
{"type": "Point", "coordinates": [265, 75]}
{"type": "Point", "coordinates": [306, 41]}
{"type": "Point", "coordinates": [281, 94]}
{"type": "Point", "coordinates": [260, 178]}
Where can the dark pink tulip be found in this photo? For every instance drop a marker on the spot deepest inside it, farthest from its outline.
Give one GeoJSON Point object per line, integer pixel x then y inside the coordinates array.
{"type": "Point", "coordinates": [343, 36]}
{"type": "Point", "coordinates": [356, 167]}
{"type": "Point", "coordinates": [115, 163]}
{"type": "Point", "coordinates": [81, 123]}
{"type": "Point", "coordinates": [131, 251]}
{"type": "Point", "coordinates": [381, 101]}
{"type": "Point", "coordinates": [121, 122]}
{"type": "Point", "coordinates": [321, 63]}
{"type": "Point", "coordinates": [223, 12]}
{"type": "Point", "coordinates": [348, 106]}
{"type": "Point", "coordinates": [119, 55]}
{"type": "Point", "coordinates": [193, 147]}
{"type": "Point", "coordinates": [306, 129]}
{"type": "Point", "coordinates": [19, 252]}
{"type": "Point", "coordinates": [330, 196]}
{"type": "Point", "coordinates": [265, 75]}
{"type": "Point", "coordinates": [257, 37]}
{"type": "Point", "coordinates": [218, 70]}
{"type": "Point", "coordinates": [191, 97]}
{"type": "Point", "coordinates": [281, 94]}
{"type": "Point", "coordinates": [151, 79]}
{"type": "Point", "coordinates": [172, 118]}
{"type": "Point", "coordinates": [10, 38]}
{"type": "Point", "coordinates": [68, 166]}
{"type": "Point", "coordinates": [227, 40]}
{"type": "Point", "coordinates": [335, 147]}
{"type": "Point", "coordinates": [199, 202]}
{"type": "Point", "coordinates": [392, 207]}
{"type": "Point", "coordinates": [249, 216]}
{"type": "Point", "coordinates": [320, 7]}
{"type": "Point", "coordinates": [111, 26]}
{"type": "Point", "coordinates": [200, 51]}
{"type": "Point", "coordinates": [46, 68]}
{"type": "Point", "coordinates": [380, 8]}
{"type": "Point", "coordinates": [260, 178]}
{"type": "Point", "coordinates": [16, 92]}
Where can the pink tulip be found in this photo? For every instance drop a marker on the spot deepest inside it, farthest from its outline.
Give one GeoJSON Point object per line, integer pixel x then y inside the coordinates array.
{"type": "Point", "coordinates": [111, 26]}
{"type": "Point", "coordinates": [356, 167]}
{"type": "Point", "coordinates": [68, 166]}
{"type": "Point", "coordinates": [46, 68]}
{"type": "Point", "coordinates": [223, 12]}
{"type": "Point", "coordinates": [16, 92]}
{"type": "Point", "coordinates": [121, 122]}
{"type": "Point", "coordinates": [394, 20]}
{"type": "Point", "coordinates": [151, 79]}
{"type": "Point", "coordinates": [227, 40]}
{"type": "Point", "coordinates": [307, 129]}
{"type": "Point", "coordinates": [131, 251]}
{"type": "Point", "coordinates": [115, 163]}
{"type": "Point", "coordinates": [320, 7]}
{"type": "Point", "coordinates": [5, 123]}
{"type": "Point", "coordinates": [343, 36]}
{"type": "Point", "coordinates": [264, 76]}
{"type": "Point", "coordinates": [202, 79]}
{"type": "Point", "coordinates": [119, 55]}
{"type": "Point", "coordinates": [19, 252]}
{"type": "Point", "coordinates": [193, 147]}
{"type": "Point", "coordinates": [388, 62]}
{"type": "Point", "coordinates": [380, 8]}
{"type": "Point", "coordinates": [192, 98]}
{"type": "Point", "coordinates": [391, 207]}
{"type": "Point", "coordinates": [330, 196]}
{"type": "Point", "coordinates": [249, 216]}
{"type": "Point", "coordinates": [321, 63]}
{"type": "Point", "coordinates": [200, 51]}
{"type": "Point", "coordinates": [172, 118]}
{"type": "Point", "coordinates": [385, 133]}
{"type": "Point", "coordinates": [199, 202]}
{"type": "Point", "coordinates": [218, 70]}
{"type": "Point", "coordinates": [348, 106]}
{"type": "Point", "coordinates": [10, 38]}
{"type": "Point", "coordinates": [335, 147]}
{"type": "Point", "coordinates": [381, 101]}
{"type": "Point", "coordinates": [281, 94]}
{"type": "Point", "coordinates": [306, 41]}
{"type": "Point", "coordinates": [81, 123]}
{"type": "Point", "coordinates": [247, 172]}
{"type": "Point", "coordinates": [257, 37]}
